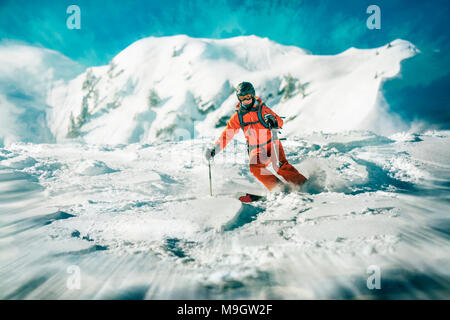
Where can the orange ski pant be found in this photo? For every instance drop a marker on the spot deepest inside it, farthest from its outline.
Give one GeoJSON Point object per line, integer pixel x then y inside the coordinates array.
{"type": "Point", "coordinates": [261, 157]}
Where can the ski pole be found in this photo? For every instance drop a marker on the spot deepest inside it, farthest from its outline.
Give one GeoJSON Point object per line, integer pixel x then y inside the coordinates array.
{"type": "Point", "coordinates": [275, 138]}
{"type": "Point", "coordinates": [210, 184]}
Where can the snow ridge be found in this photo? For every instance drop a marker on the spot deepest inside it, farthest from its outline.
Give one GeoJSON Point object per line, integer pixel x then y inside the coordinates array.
{"type": "Point", "coordinates": [180, 87]}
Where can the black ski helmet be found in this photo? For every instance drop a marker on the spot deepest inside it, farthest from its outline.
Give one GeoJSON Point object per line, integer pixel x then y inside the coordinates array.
{"type": "Point", "coordinates": [245, 88]}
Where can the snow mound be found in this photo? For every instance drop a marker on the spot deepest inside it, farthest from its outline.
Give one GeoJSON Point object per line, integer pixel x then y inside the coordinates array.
{"type": "Point", "coordinates": [19, 162]}
{"type": "Point", "coordinates": [92, 168]}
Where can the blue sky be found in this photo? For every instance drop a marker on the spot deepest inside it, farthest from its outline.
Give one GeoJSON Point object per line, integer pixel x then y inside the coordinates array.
{"type": "Point", "coordinates": [322, 27]}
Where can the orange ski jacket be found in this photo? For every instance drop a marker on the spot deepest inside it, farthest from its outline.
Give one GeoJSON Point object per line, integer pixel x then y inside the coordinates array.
{"type": "Point", "coordinates": [255, 129]}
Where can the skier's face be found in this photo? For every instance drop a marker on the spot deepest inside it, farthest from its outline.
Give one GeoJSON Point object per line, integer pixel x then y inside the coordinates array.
{"type": "Point", "coordinates": [246, 100]}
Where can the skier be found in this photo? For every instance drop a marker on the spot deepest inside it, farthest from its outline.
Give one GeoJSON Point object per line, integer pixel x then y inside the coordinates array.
{"type": "Point", "coordinates": [257, 120]}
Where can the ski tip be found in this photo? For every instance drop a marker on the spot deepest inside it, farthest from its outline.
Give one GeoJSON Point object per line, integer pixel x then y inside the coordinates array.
{"type": "Point", "coordinates": [250, 198]}
{"type": "Point", "coordinates": [245, 199]}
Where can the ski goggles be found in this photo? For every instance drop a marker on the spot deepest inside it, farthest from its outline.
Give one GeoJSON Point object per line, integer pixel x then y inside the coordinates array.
{"type": "Point", "coordinates": [246, 97]}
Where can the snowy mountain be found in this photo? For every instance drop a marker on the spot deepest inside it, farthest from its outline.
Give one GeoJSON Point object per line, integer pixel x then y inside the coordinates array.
{"type": "Point", "coordinates": [178, 86]}
{"type": "Point", "coordinates": [27, 75]}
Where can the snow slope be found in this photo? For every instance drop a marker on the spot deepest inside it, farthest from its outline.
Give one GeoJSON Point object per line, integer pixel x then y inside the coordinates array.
{"type": "Point", "coordinates": [138, 221]}
{"type": "Point", "coordinates": [182, 87]}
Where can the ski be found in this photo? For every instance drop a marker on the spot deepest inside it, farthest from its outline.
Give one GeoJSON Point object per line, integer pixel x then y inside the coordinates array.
{"type": "Point", "coordinates": [251, 198]}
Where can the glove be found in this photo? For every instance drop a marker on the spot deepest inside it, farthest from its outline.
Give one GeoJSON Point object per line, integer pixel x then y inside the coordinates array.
{"type": "Point", "coordinates": [271, 121]}
{"type": "Point", "coordinates": [210, 153]}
